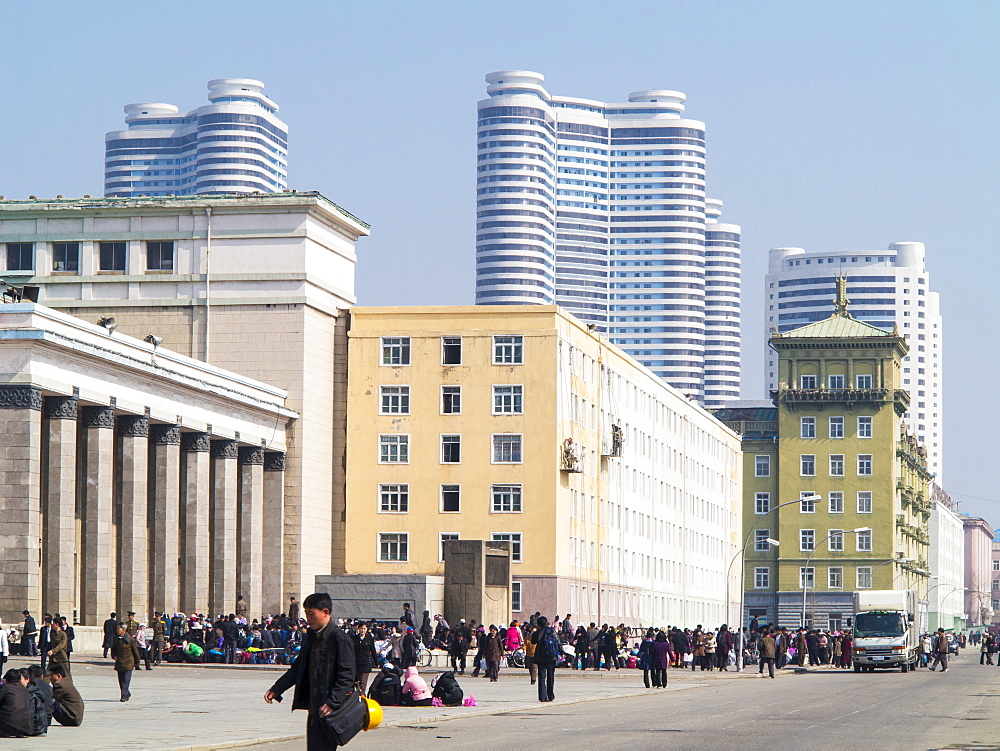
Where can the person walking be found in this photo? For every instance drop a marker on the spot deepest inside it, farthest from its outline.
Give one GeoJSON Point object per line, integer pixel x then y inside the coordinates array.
{"type": "Point", "coordinates": [529, 659]}
{"type": "Point", "coordinates": [322, 673]}
{"type": "Point", "coordinates": [660, 659]}
{"type": "Point", "coordinates": [44, 639]}
{"type": "Point", "coordinates": [58, 646]}
{"type": "Point", "coordinates": [547, 650]}
{"type": "Point", "coordinates": [126, 654]}
{"type": "Point", "coordinates": [29, 634]}
{"type": "Point", "coordinates": [365, 656]}
{"type": "Point", "coordinates": [768, 652]}
{"type": "Point", "coordinates": [410, 648]}
{"type": "Point", "coordinates": [940, 651]}
{"type": "Point", "coordinates": [492, 652]}
{"type": "Point", "coordinates": [293, 610]}
{"type": "Point", "coordinates": [140, 642]}
{"type": "Point", "coordinates": [645, 661]}
{"type": "Point", "coordinates": [159, 637]}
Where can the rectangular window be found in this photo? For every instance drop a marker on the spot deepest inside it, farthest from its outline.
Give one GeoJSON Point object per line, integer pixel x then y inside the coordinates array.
{"type": "Point", "coordinates": [507, 449]}
{"type": "Point", "coordinates": [395, 400]}
{"type": "Point", "coordinates": [507, 400]}
{"type": "Point", "coordinates": [864, 580]}
{"type": "Point", "coordinates": [112, 257]}
{"type": "Point", "coordinates": [451, 400]}
{"type": "Point", "coordinates": [836, 502]}
{"type": "Point", "coordinates": [451, 350]}
{"type": "Point", "coordinates": [835, 578]}
{"type": "Point", "coordinates": [515, 597]}
{"type": "Point", "coordinates": [160, 256]}
{"type": "Point", "coordinates": [762, 466]}
{"type": "Point", "coordinates": [807, 504]}
{"type": "Point", "coordinates": [395, 350]}
{"type": "Point", "coordinates": [836, 381]}
{"type": "Point", "coordinates": [394, 499]}
{"type": "Point", "coordinates": [807, 465]}
{"type": "Point", "coordinates": [864, 464]}
{"type": "Point", "coordinates": [451, 449]}
{"type": "Point", "coordinates": [864, 427]}
{"type": "Point", "coordinates": [20, 256]}
{"type": "Point", "coordinates": [836, 465]}
{"type": "Point", "coordinates": [996, 566]}
{"type": "Point", "coordinates": [864, 502]}
{"type": "Point", "coordinates": [864, 542]}
{"type": "Point", "coordinates": [393, 546]}
{"type": "Point", "coordinates": [451, 499]}
{"type": "Point", "coordinates": [393, 449]}
{"type": "Point", "coordinates": [515, 543]}
{"type": "Point", "coordinates": [836, 427]}
{"type": "Point", "coordinates": [442, 538]}
{"type": "Point", "coordinates": [807, 382]}
{"type": "Point", "coordinates": [807, 539]}
{"type": "Point", "coordinates": [863, 381]}
{"type": "Point", "coordinates": [760, 540]}
{"type": "Point", "coordinates": [506, 499]}
{"type": "Point", "coordinates": [761, 577]}
{"type": "Point", "coordinates": [807, 577]}
{"type": "Point", "coordinates": [508, 350]}
{"type": "Point", "coordinates": [807, 427]}
{"type": "Point", "coordinates": [66, 257]}
{"type": "Point", "coordinates": [836, 541]}
{"type": "Point", "coordinates": [762, 503]}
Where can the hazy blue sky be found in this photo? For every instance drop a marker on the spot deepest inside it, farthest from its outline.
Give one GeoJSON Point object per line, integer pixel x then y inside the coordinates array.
{"type": "Point", "coordinates": [831, 126]}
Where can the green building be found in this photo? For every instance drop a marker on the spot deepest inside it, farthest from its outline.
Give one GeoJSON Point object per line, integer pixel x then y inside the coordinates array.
{"type": "Point", "coordinates": [832, 475]}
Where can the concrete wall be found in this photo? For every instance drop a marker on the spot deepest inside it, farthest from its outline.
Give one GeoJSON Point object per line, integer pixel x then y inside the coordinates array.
{"type": "Point", "coordinates": [381, 596]}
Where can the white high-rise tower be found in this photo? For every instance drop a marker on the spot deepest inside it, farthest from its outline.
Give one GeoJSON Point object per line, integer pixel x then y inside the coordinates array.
{"type": "Point", "coordinates": [601, 208]}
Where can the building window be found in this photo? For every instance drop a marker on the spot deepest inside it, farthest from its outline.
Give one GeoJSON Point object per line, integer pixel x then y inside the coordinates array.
{"type": "Point", "coordinates": [66, 257]}
{"type": "Point", "coordinates": [395, 400]}
{"type": "Point", "coordinates": [836, 465]}
{"type": "Point", "coordinates": [394, 499]}
{"type": "Point", "coordinates": [762, 466]}
{"type": "Point", "coordinates": [395, 350]}
{"type": "Point", "coordinates": [807, 382]}
{"type": "Point", "coordinates": [393, 449]}
{"type": "Point", "coordinates": [836, 502]}
{"type": "Point", "coordinates": [762, 503]}
{"type": "Point", "coordinates": [506, 499]}
{"type": "Point", "coordinates": [761, 577]}
{"type": "Point", "coordinates": [836, 541]}
{"type": "Point", "coordinates": [515, 543]}
{"type": "Point", "coordinates": [393, 546]}
{"type": "Point", "coordinates": [507, 449]}
{"type": "Point", "coordinates": [507, 400]}
{"type": "Point", "coordinates": [451, 350]}
{"type": "Point", "coordinates": [807, 427]}
{"type": "Point", "coordinates": [515, 597]}
{"type": "Point", "coordinates": [508, 350]}
{"type": "Point", "coordinates": [864, 577]}
{"type": "Point", "coordinates": [112, 257]}
{"type": "Point", "coordinates": [20, 256]}
{"type": "Point", "coordinates": [160, 256]}
{"type": "Point", "coordinates": [864, 464]}
{"type": "Point", "coordinates": [835, 579]}
{"type": "Point", "coordinates": [760, 540]}
{"type": "Point", "coordinates": [863, 381]}
{"type": "Point", "coordinates": [996, 565]}
{"type": "Point", "coordinates": [864, 502]}
{"type": "Point", "coordinates": [807, 502]}
{"type": "Point", "coordinates": [444, 537]}
{"type": "Point", "coordinates": [451, 449]}
{"type": "Point", "coordinates": [864, 542]}
{"type": "Point", "coordinates": [451, 400]}
{"type": "Point", "coordinates": [836, 381]}
{"type": "Point", "coordinates": [864, 427]}
{"type": "Point", "coordinates": [836, 427]}
{"type": "Point", "coordinates": [807, 577]}
{"type": "Point", "coordinates": [807, 465]}
{"type": "Point", "coordinates": [451, 499]}
{"type": "Point", "coordinates": [807, 539]}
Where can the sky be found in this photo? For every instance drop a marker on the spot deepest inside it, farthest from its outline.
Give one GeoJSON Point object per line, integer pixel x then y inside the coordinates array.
{"type": "Point", "coordinates": [831, 126]}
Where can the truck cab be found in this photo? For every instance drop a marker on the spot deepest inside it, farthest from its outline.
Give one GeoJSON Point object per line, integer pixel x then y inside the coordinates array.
{"type": "Point", "coordinates": [885, 635]}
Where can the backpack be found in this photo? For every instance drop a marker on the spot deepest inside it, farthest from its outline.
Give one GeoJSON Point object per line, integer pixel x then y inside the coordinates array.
{"type": "Point", "coordinates": [549, 647]}
{"type": "Point", "coordinates": [446, 689]}
{"type": "Point", "coordinates": [387, 689]}
{"type": "Point", "coordinates": [41, 714]}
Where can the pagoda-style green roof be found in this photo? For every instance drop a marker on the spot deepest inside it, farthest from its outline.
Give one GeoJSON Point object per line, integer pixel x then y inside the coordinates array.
{"type": "Point", "coordinates": [840, 325]}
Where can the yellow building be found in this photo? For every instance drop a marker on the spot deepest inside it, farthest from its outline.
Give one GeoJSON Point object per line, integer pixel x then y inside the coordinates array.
{"type": "Point", "coordinates": [620, 496]}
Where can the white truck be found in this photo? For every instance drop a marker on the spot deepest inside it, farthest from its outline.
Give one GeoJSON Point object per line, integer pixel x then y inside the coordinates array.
{"type": "Point", "coordinates": [885, 630]}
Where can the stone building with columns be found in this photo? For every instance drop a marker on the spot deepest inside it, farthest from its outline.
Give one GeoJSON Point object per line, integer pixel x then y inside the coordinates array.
{"type": "Point", "coordinates": [133, 477]}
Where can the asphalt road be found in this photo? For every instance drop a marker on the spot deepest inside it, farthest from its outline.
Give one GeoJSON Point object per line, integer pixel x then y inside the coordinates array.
{"type": "Point", "coordinates": [819, 709]}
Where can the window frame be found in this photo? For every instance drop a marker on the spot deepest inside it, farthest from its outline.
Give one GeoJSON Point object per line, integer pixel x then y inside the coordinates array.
{"type": "Point", "coordinates": [403, 497]}
{"type": "Point", "coordinates": [159, 246]}
{"type": "Point", "coordinates": [757, 503]}
{"type": "Point", "coordinates": [516, 594]}
{"type": "Point", "coordinates": [835, 571]}
{"type": "Point", "coordinates": [838, 536]}
{"type": "Point", "coordinates": [807, 577]}
{"type": "Point", "coordinates": [516, 344]}
{"type": "Point", "coordinates": [386, 344]}
{"type": "Point", "coordinates": [441, 541]}
{"type": "Point", "coordinates": [444, 443]}
{"type": "Point", "coordinates": [830, 499]}
{"type": "Point", "coordinates": [863, 571]}
{"type": "Point", "coordinates": [807, 427]}
{"type": "Point", "coordinates": [515, 545]}
{"type": "Point", "coordinates": [441, 491]}
{"type": "Point", "coordinates": [832, 378]}
{"type": "Point", "coordinates": [445, 344]}
{"type": "Point", "coordinates": [870, 500]}
{"type": "Point", "coordinates": [806, 507]}
{"type": "Point", "coordinates": [757, 465]}
{"type": "Point", "coordinates": [858, 381]}
{"type": "Point", "coordinates": [814, 381]}
{"type": "Point", "coordinates": [760, 540]}
{"type": "Point", "coordinates": [494, 447]}
{"type": "Point", "coordinates": [403, 545]}
{"type": "Point", "coordinates": [762, 573]}
{"type": "Point", "coordinates": [56, 246]}
{"type": "Point", "coordinates": [802, 540]}
{"type": "Point", "coordinates": [405, 441]}
{"type": "Point", "coordinates": [869, 536]}
{"type": "Point", "coordinates": [517, 397]}
{"type": "Point", "coordinates": [837, 420]}
{"type": "Point", "coordinates": [869, 462]}
{"type": "Point", "coordinates": [870, 422]}
{"type": "Point", "coordinates": [516, 499]}
{"type": "Point", "coordinates": [457, 393]}
{"type": "Point", "coordinates": [805, 459]}
{"type": "Point", "coordinates": [20, 249]}
{"type": "Point", "coordinates": [402, 395]}
{"type": "Point", "coordinates": [112, 249]}
{"type": "Point", "coordinates": [836, 461]}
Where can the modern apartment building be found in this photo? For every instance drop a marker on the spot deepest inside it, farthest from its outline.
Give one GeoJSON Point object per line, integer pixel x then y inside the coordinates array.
{"type": "Point", "coordinates": [832, 474]}
{"type": "Point", "coordinates": [234, 144]}
{"type": "Point", "coordinates": [620, 496]}
{"type": "Point", "coordinates": [601, 208]}
{"type": "Point", "coordinates": [888, 288]}
{"type": "Point", "coordinates": [946, 596]}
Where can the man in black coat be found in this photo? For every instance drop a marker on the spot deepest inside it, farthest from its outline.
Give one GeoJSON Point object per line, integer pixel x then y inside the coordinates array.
{"type": "Point", "coordinates": [15, 706]}
{"type": "Point", "coordinates": [323, 672]}
{"type": "Point", "coordinates": [110, 632]}
{"type": "Point", "coordinates": [44, 636]}
{"type": "Point", "coordinates": [28, 636]}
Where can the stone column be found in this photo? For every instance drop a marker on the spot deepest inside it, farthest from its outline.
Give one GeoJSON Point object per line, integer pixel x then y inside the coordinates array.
{"type": "Point", "coordinates": [133, 542]}
{"type": "Point", "coordinates": [20, 489]}
{"type": "Point", "coordinates": [274, 532]}
{"type": "Point", "coordinates": [97, 596]}
{"type": "Point", "coordinates": [165, 518]}
{"type": "Point", "coordinates": [195, 523]}
{"type": "Point", "coordinates": [222, 572]}
{"type": "Point", "coordinates": [59, 535]}
{"type": "Point", "coordinates": [250, 564]}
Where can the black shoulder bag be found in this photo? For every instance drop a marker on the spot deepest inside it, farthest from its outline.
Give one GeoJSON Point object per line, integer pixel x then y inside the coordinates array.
{"type": "Point", "coordinates": [347, 720]}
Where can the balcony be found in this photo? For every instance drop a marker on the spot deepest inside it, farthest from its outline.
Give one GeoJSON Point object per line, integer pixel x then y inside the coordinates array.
{"type": "Point", "coordinates": [753, 428]}
{"type": "Point", "coordinates": [840, 396]}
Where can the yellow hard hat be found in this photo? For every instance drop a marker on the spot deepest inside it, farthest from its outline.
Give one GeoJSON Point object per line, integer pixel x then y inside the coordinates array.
{"type": "Point", "coordinates": [374, 713]}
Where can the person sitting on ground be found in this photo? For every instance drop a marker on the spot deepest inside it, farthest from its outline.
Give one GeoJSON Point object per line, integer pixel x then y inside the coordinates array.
{"type": "Point", "coordinates": [15, 706]}
{"type": "Point", "coordinates": [67, 707]}
{"type": "Point", "coordinates": [416, 693]}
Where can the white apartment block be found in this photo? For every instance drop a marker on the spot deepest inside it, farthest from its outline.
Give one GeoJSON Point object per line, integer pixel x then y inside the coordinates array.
{"type": "Point", "coordinates": [946, 558]}
{"type": "Point", "coordinates": [887, 288]}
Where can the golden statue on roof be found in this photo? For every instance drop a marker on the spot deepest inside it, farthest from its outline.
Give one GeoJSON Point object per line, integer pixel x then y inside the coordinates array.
{"type": "Point", "coordinates": [841, 303]}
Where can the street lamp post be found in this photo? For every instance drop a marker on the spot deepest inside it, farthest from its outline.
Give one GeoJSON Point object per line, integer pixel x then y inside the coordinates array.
{"type": "Point", "coordinates": [805, 573]}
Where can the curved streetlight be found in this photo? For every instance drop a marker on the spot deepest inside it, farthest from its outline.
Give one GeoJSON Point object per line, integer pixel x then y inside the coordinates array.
{"type": "Point", "coordinates": [805, 573]}
{"type": "Point", "coordinates": [954, 588]}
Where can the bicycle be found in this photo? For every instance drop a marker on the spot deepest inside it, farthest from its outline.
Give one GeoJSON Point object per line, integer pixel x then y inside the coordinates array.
{"type": "Point", "coordinates": [424, 656]}
{"type": "Point", "coordinates": [517, 658]}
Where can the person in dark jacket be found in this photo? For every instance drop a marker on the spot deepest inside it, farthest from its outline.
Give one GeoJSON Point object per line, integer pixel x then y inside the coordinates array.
{"type": "Point", "coordinates": [426, 629]}
{"type": "Point", "coordinates": [28, 636]}
{"type": "Point", "coordinates": [323, 672]}
{"type": "Point", "coordinates": [58, 645]}
{"type": "Point", "coordinates": [546, 664]}
{"type": "Point", "coordinates": [660, 659]}
{"type": "Point", "coordinates": [581, 645]}
{"type": "Point", "coordinates": [410, 647]}
{"type": "Point", "coordinates": [67, 706]}
{"type": "Point", "coordinates": [126, 654]}
{"type": "Point", "coordinates": [44, 637]}
{"type": "Point", "coordinates": [43, 692]}
{"type": "Point", "coordinates": [15, 706]}
{"type": "Point", "coordinates": [110, 632]}
{"type": "Point", "coordinates": [646, 658]}
{"type": "Point", "coordinates": [365, 656]}
{"type": "Point", "coordinates": [492, 652]}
